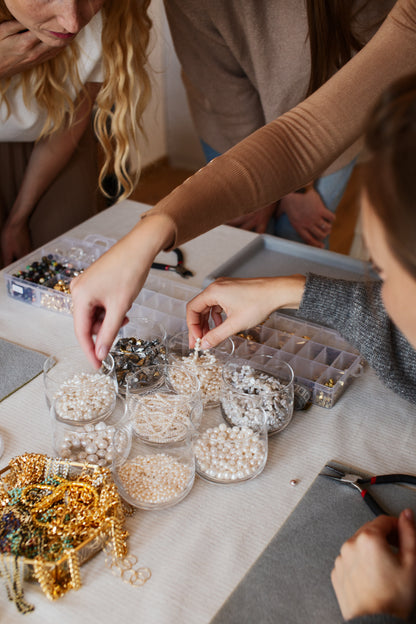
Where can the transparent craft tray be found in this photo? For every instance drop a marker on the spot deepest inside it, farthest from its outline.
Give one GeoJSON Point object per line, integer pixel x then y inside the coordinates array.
{"type": "Point", "coordinates": [161, 299]}
{"type": "Point", "coordinates": [79, 253]}
{"type": "Point", "coordinates": [164, 301]}
{"type": "Point", "coordinates": [321, 359]}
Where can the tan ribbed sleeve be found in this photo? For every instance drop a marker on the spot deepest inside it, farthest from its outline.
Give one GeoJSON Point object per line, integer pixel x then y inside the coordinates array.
{"type": "Point", "coordinates": [290, 151]}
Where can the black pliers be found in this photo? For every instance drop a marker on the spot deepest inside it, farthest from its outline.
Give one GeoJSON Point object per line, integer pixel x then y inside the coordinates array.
{"type": "Point", "coordinates": [358, 482]}
{"type": "Point", "coordinates": [178, 267]}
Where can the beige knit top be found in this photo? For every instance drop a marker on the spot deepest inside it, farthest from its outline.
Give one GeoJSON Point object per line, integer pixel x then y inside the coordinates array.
{"type": "Point", "coordinates": [295, 148]}
{"type": "Point", "coordinates": [246, 62]}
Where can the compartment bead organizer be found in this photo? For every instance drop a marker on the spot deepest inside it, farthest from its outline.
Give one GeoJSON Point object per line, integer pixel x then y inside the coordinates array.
{"type": "Point", "coordinates": [45, 278]}
{"type": "Point", "coordinates": [161, 299]}
{"type": "Point", "coordinates": [321, 359]}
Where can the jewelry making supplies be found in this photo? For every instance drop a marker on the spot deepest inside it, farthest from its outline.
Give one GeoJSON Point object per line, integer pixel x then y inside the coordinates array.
{"type": "Point", "coordinates": [155, 479]}
{"type": "Point", "coordinates": [55, 515]}
{"type": "Point", "coordinates": [85, 396]}
{"type": "Point", "coordinates": [276, 399]}
{"type": "Point", "coordinates": [207, 368]}
{"type": "Point", "coordinates": [91, 443]}
{"type": "Point", "coordinates": [161, 417]}
{"type": "Point", "coordinates": [132, 354]}
{"type": "Point", "coordinates": [48, 272]}
{"type": "Point", "coordinates": [229, 454]}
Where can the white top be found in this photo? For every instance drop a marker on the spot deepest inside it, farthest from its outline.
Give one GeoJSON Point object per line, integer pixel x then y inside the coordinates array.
{"type": "Point", "coordinates": [25, 124]}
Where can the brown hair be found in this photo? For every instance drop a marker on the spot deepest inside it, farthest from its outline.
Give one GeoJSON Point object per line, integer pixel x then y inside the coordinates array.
{"type": "Point", "coordinates": [331, 37]}
{"type": "Point", "coordinates": [389, 172]}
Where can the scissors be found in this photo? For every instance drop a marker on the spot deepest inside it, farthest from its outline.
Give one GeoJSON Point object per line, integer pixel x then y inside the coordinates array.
{"type": "Point", "coordinates": [359, 483]}
{"type": "Point", "coordinates": [178, 267]}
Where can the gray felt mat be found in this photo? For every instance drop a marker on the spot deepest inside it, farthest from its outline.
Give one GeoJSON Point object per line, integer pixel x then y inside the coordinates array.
{"type": "Point", "coordinates": [290, 581]}
{"type": "Point", "coordinates": [18, 366]}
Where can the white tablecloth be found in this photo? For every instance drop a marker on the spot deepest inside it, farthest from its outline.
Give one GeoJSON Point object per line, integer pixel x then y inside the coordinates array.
{"type": "Point", "coordinates": [199, 549]}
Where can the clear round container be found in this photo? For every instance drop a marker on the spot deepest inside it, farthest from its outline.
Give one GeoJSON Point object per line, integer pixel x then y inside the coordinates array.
{"type": "Point", "coordinates": [206, 365]}
{"type": "Point", "coordinates": [227, 454]}
{"type": "Point", "coordinates": [91, 441]}
{"type": "Point", "coordinates": [160, 417]}
{"type": "Point", "coordinates": [153, 476]}
{"type": "Point", "coordinates": [140, 343]}
{"type": "Point", "coordinates": [175, 378]}
{"type": "Point", "coordinates": [270, 380]}
{"type": "Point", "coordinates": [158, 411]}
{"type": "Point", "coordinates": [80, 392]}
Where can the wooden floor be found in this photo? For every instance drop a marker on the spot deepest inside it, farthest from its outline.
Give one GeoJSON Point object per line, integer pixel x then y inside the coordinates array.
{"type": "Point", "coordinates": [160, 179]}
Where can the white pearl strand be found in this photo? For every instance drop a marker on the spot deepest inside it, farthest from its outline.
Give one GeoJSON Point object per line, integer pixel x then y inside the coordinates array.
{"type": "Point", "coordinates": [229, 453]}
{"type": "Point", "coordinates": [274, 399]}
{"type": "Point", "coordinates": [93, 444]}
{"type": "Point", "coordinates": [155, 479]}
{"type": "Point", "coordinates": [85, 396]}
{"type": "Point", "coordinates": [207, 369]}
{"type": "Point", "coordinates": [160, 417]}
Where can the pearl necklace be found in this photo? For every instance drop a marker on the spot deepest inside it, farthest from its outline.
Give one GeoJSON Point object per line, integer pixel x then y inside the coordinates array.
{"type": "Point", "coordinates": [160, 417]}
{"type": "Point", "coordinates": [206, 367]}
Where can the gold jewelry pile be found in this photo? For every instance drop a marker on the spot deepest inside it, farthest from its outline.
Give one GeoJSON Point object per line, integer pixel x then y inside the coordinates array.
{"type": "Point", "coordinates": [55, 515]}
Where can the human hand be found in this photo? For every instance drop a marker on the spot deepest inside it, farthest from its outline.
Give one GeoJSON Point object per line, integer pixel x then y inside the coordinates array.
{"type": "Point", "coordinates": [255, 221]}
{"type": "Point", "coordinates": [308, 215]}
{"type": "Point", "coordinates": [369, 577]}
{"type": "Point", "coordinates": [246, 302]}
{"type": "Point", "coordinates": [103, 294]}
{"type": "Point", "coordinates": [20, 49]}
{"type": "Point", "coordinates": [15, 241]}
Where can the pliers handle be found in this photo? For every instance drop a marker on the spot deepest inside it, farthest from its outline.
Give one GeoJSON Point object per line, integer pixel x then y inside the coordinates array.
{"type": "Point", "coordinates": [178, 267]}
{"type": "Point", "coordinates": [358, 482]}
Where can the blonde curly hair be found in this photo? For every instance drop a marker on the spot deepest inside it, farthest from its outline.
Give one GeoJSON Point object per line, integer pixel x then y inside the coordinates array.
{"type": "Point", "coordinates": [123, 95]}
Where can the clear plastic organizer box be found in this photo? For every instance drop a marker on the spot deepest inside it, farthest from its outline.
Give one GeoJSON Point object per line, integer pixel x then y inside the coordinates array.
{"type": "Point", "coordinates": [321, 359]}
{"type": "Point", "coordinates": [161, 299]}
{"type": "Point", "coordinates": [164, 301]}
{"type": "Point", "coordinates": [70, 255]}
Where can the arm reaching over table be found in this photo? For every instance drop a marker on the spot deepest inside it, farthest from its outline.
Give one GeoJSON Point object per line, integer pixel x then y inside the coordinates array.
{"type": "Point", "coordinates": [246, 302]}
{"type": "Point", "coordinates": [273, 161]}
{"type": "Point", "coordinates": [103, 294]}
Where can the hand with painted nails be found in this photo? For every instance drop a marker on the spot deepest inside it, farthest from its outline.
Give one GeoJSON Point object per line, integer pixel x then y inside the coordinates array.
{"type": "Point", "coordinates": [245, 303]}
{"type": "Point", "coordinates": [103, 294]}
{"type": "Point", "coordinates": [371, 576]}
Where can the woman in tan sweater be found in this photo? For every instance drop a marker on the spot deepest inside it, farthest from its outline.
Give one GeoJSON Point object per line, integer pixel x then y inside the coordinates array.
{"type": "Point", "coordinates": [273, 161]}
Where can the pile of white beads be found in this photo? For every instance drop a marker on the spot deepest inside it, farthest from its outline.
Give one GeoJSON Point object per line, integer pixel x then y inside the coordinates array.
{"type": "Point", "coordinates": [206, 367]}
{"type": "Point", "coordinates": [229, 453]}
{"type": "Point", "coordinates": [276, 399]}
{"type": "Point", "coordinates": [91, 443]}
{"type": "Point", "coordinates": [155, 479]}
{"type": "Point", "coordinates": [85, 396]}
{"type": "Point", "coordinates": [160, 417]}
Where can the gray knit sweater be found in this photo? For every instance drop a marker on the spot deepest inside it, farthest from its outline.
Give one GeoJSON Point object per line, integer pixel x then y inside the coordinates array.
{"type": "Point", "coordinates": [356, 311]}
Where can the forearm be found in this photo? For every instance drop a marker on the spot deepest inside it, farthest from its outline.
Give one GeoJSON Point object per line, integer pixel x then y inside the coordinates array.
{"type": "Point", "coordinates": [49, 157]}
{"type": "Point", "coordinates": [356, 311]}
